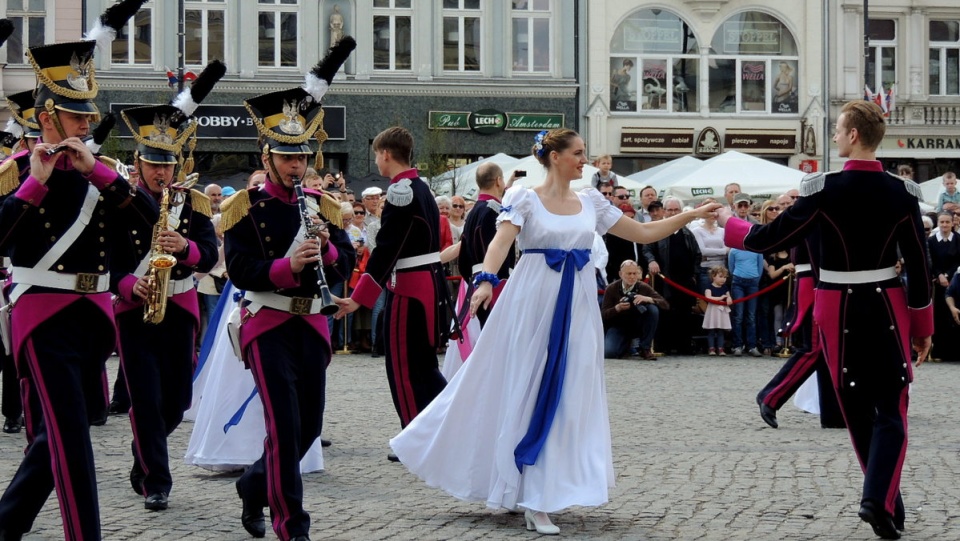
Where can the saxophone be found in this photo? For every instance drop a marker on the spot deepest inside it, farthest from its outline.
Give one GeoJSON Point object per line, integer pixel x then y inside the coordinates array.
{"type": "Point", "coordinates": [160, 266]}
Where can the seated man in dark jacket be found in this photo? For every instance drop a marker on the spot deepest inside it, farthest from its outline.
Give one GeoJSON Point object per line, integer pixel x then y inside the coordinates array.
{"type": "Point", "coordinates": [630, 309]}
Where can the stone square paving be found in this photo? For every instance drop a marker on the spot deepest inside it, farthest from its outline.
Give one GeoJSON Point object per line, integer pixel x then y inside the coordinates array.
{"type": "Point", "coordinates": [692, 457]}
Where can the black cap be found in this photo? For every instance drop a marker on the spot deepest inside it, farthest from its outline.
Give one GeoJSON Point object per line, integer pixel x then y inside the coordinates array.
{"type": "Point", "coordinates": [65, 73]}
{"type": "Point", "coordinates": [22, 107]}
{"type": "Point", "coordinates": [286, 120]}
{"type": "Point", "coordinates": [160, 132]}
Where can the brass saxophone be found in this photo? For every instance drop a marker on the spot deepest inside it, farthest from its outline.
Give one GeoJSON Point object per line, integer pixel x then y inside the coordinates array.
{"type": "Point", "coordinates": [160, 266]}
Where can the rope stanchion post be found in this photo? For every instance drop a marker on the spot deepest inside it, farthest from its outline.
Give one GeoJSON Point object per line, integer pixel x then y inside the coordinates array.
{"type": "Point", "coordinates": [653, 344]}
{"type": "Point", "coordinates": [346, 346]}
{"type": "Point", "coordinates": [785, 352]}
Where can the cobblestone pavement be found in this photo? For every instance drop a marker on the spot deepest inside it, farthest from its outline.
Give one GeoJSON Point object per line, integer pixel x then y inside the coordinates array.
{"type": "Point", "coordinates": [693, 462]}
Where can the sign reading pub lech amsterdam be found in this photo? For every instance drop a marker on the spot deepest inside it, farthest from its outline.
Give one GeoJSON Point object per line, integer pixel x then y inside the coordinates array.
{"type": "Point", "coordinates": [488, 121]}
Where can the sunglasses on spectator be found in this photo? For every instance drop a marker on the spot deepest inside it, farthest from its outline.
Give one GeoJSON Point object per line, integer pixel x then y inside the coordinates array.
{"type": "Point", "coordinates": [743, 204]}
{"type": "Point", "coordinates": [623, 197]}
{"type": "Point", "coordinates": [927, 229]}
{"type": "Point", "coordinates": [755, 214]}
{"type": "Point", "coordinates": [359, 213]}
{"type": "Point", "coordinates": [457, 206]}
{"type": "Point", "coordinates": [607, 194]}
{"type": "Point", "coordinates": [773, 209]}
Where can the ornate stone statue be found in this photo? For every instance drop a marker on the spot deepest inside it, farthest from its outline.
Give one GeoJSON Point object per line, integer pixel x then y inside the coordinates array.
{"type": "Point", "coordinates": [336, 26]}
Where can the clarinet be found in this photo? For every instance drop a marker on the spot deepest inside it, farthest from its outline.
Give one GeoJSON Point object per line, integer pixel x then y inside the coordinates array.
{"type": "Point", "coordinates": [328, 307]}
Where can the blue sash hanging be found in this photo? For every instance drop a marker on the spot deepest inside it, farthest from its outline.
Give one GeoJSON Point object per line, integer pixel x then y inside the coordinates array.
{"type": "Point", "coordinates": [235, 418]}
{"type": "Point", "coordinates": [206, 346]}
{"type": "Point", "coordinates": [551, 384]}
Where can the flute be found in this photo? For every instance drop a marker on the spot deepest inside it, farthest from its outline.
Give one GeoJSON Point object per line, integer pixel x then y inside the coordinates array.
{"type": "Point", "coordinates": [60, 148]}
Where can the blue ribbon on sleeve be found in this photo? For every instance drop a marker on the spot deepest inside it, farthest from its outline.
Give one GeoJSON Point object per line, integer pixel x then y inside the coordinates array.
{"type": "Point", "coordinates": [567, 263]}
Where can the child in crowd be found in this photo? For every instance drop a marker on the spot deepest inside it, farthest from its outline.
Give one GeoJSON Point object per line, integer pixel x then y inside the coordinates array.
{"type": "Point", "coordinates": [950, 194]}
{"type": "Point", "coordinates": [604, 164]}
{"type": "Point", "coordinates": [716, 318]}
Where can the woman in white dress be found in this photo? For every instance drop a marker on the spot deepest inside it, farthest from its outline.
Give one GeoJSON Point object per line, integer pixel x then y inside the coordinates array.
{"type": "Point", "coordinates": [532, 392]}
{"type": "Point", "coordinates": [228, 431]}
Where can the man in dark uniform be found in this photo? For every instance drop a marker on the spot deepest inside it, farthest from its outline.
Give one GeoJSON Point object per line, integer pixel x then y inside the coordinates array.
{"type": "Point", "coordinates": [478, 230]}
{"type": "Point", "coordinates": [807, 357]}
{"type": "Point", "coordinates": [406, 263]}
{"type": "Point", "coordinates": [25, 129]}
{"type": "Point", "coordinates": [60, 228]}
{"type": "Point", "coordinates": [867, 318]}
{"type": "Point", "coordinates": [284, 339]}
{"type": "Point", "coordinates": [157, 353]}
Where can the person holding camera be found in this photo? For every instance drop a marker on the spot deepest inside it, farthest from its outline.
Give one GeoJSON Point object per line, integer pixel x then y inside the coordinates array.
{"type": "Point", "coordinates": [630, 309]}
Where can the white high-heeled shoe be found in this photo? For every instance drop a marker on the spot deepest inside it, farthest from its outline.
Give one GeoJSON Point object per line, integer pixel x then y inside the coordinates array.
{"type": "Point", "coordinates": [540, 522]}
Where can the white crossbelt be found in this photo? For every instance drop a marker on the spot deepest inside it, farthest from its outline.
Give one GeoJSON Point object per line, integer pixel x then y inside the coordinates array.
{"type": "Point", "coordinates": [80, 283]}
{"type": "Point", "coordinates": [176, 287]}
{"type": "Point", "coordinates": [417, 260]}
{"type": "Point", "coordinates": [4, 262]}
{"type": "Point", "coordinates": [803, 267]}
{"type": "Point", "coordinates": [857, 277]}
{"type": "Point", "coordinates": [300, 306]}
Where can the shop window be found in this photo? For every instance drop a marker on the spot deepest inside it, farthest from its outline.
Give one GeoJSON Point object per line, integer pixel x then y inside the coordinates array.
{"type": "Point", "coordinates": [753, 66]}
{"type": "Point", "coordinates": [532, 42]}
{"type": "Point", "coordinates": [654, 64]}
{"type": "Point", "coordinates": [881, 62]}
{"type": "Point", "coordinates": [278, 33]}
{"type": "Point", "coordinates": [28, 18]}
{"type": "Point", "coordinates": [392, 35]}
{"type": "Point", "coordinates": [134, 42]}
{"type": "Point", "coordinates": [461, 35]}
{"type": "Point", "coordinates": [205, 28]}
{"type": "Point", "coordinates": [945, 58]}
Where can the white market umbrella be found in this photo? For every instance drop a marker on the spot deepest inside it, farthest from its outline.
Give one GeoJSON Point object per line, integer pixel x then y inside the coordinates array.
{"type": "Point", "coordinates": [536, 173]}
{"type": "Point", "coordinates": [931, 190]}
{"type": "Point", "coordinates": [757, 177]}
{"type": "Point", "coordinates": [664, 174]}
{"type": "Point", "coordinates": [465, 177]}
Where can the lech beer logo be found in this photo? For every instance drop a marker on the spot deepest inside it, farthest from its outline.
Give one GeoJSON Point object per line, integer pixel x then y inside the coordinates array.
{"type": "Point", "coordinates": [487, 121]}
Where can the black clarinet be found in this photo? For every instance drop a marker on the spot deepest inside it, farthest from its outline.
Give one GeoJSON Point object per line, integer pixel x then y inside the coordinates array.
{"type": "Point", "coordinates": [328, 307]}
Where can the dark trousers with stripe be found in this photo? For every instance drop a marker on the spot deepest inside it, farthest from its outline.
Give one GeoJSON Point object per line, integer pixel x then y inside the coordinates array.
{"type": "Point", "coordinates": [289, 366]}
{"type": "Point", "coordinates": [10, 405]}
{"type": "Point", "coordinates": [806, 359]}
{"type": "Point", "coordinates": [412, 368]}
{"type": "Point", "coordinates": [157, 361]}
{"type": "Point", "coordinates": [64, 358]}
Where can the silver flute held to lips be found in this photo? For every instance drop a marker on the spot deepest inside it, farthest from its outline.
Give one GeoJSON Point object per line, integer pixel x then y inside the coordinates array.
{"type": "Point", "coordinates": [60, 148]}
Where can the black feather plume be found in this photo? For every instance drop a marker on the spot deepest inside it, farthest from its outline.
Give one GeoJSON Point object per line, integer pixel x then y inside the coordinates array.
{"type": "Point", "coordinates": [102, 131]}
{"type": "Point", "coordinates": [117, 15]}
{"type": "Point", "coordinates": [338, 54]}
{"type": "Point", "coordinates": [188, 100]}
{"type": "Point", "coordinates": [6, 28]}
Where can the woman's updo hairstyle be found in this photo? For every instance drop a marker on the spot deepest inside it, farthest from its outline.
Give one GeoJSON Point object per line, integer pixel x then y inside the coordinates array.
{"type": "Point", "coordinates": [554, 140]}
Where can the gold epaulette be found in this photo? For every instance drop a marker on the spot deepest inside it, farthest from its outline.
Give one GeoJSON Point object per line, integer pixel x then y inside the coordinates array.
{"type": "Point", "coordinates": [233, 209]}
{"type": "Point", "coordinates": [9, 177]}
{"type": "Point", "coordinates": [115, 165]}
{"type": "Point", "coordinates": [201, 203]}
{"type": "Point", "coordinates": [330, 209]}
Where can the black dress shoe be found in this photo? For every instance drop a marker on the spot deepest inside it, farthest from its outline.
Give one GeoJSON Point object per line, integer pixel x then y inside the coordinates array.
{"type": "Point", "coordinates": [392, 457]}
{"type": "Point", "coordinates": [325, 443]}
{"type": "Point", "coordinates": [880, 521]}
{"type": "Point", "coordinates": [13, 425]}
{"type": "Point", "coordinates": [156, 501]}
{"type": "Point", "coordinates": [136, 477]}
{"type": "Point", "coordinates": [117, 408]}
{"type": "Point", "coordinates": [7, 535]}
{"type": "Point", "coordinates": [252, 516]}
{"type": "Point", "coordinates": [769, 415]}
{"type": "Point", "coordinates": [300, 538]}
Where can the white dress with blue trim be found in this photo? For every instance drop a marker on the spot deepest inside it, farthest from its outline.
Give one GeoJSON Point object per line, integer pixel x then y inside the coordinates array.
{"type": "Point", "coordinates": [485, 437]}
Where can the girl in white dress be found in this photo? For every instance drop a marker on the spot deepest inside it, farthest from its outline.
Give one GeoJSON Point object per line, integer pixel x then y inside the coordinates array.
{"type": "Point", "coordinates": [532, 392]}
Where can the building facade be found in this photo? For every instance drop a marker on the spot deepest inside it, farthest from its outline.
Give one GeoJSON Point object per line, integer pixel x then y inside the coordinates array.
{"type": "Point", "coordinates": [469, 78]}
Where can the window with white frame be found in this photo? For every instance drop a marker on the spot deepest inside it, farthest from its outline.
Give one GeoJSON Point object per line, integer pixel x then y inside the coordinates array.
{"type": "Point", "coordinates": [753, 66]}
{"type": "Point", "coordinates": [945, 58]}
{"type": "Point", "coordinates": [28, 18]}
{"type": "Point", "coordinates": [532, 43]}
{"type": "Point", "coordinates": [881, 72]}
{"type": "Point", "coordinates": [278, 33]}
{"type": "Point", "coordinates": [205, 28]}
{"type": "Point", "coordinates": [134, 42]}
{"type": "Point", "coordinates": [654, 64]}
{"type": "Point", "coordinates": [392, 35]}
{"type": "Point", "coordinates": [461, 35]}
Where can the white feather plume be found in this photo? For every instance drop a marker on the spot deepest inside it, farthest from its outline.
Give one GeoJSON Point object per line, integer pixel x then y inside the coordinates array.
{"type": "Point", "coordinates": [315, 86]}
{"type": "Point", "coordinates": [103, 35]}
{"type": "Point", "coordinates": [184, 102]}
{"type": "Point", "coordinates": [13, 127]}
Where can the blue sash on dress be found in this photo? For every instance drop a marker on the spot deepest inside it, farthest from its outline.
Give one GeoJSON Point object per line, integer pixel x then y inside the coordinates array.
{"type": "Point", "coordinates": [548, 397]}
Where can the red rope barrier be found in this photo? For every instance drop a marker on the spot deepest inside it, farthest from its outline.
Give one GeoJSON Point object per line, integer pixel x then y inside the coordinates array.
{"type": "Point", "coordinates": [694, 294]}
